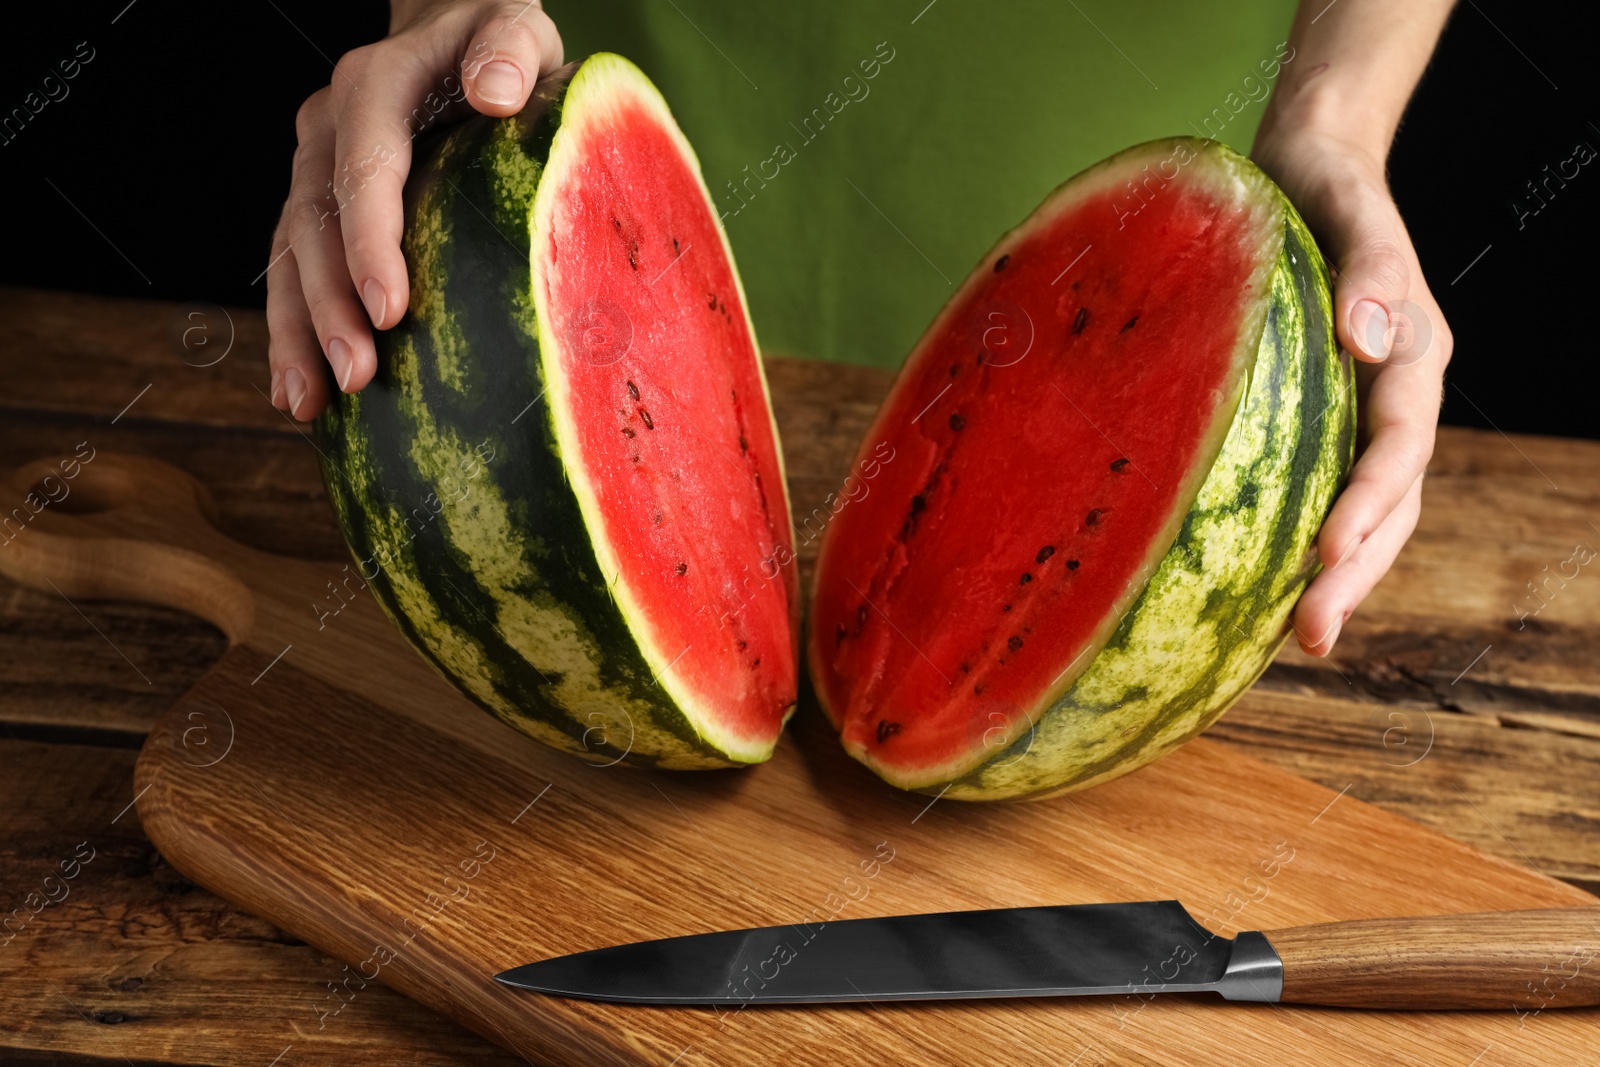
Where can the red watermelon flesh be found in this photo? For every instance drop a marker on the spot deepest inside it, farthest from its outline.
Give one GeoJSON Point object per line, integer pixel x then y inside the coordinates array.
{"type": "Point", "coordinates": [1049, 434]}
{"type": "Point", "coordinates": [660, 388]}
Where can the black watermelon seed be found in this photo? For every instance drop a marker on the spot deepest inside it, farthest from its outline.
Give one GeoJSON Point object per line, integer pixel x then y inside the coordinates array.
{"type": "Point", "coordinates": [627, 431]}
{"type": "Point", "coordinates": [712, 304]}
{"type": "Point", "coordinates": [955, 369]}
{"type": "Point", "coordinates": [1081, 320]}
{"type": "Point", "coordinates": [645, 415]}
{"type": "Point", "coordinates": [634, 458]}
{"type": "Point", "coordinates": [755, 663]}
{"type": "Point", "coordinates": [1006, 608]}
{"type": "Point", "coordinates": [674, 244]}
{"type": "Point", "coordinates": [1093, 518]}
{"type": "Point", "coordinates": [1129, 324]}
{"type": "Point", "coordinates": [1045, 553]}
{"type": "Point", "coordinates": [633, 390]}
{"type": "Point", "coordinates": [886, 730]}
{"type": "Point", "coordinates": [744, 446]}
{"type": "Point", "coordinates": [1014, 643]}
{"type": "Point", "coordinates": [658, 517]}
{"type": "Point", "coordinates": [1072, 564]}
{"type": "Point", "coordinates": [917, 504]}
{"type": "Point", "coordinates": [743, 645]}
{"type": "Point", "coordinates": [1118, 464]}
{"type": "Point", "coordinates": [633, 256]}
{"type": "Point", "coordinates": [1026, 578]}
{"type": "Point", "coordinates": [977, 690]}
{"type": "Point", "coordinates": [957, 422]}
{"type": "Point", "coordinates": [839, 635]}
{"type": "Point", "coordinates": [617, 223]}
{"type": "Point", "coordinates": [1000, 264]}
{"type": "Point", "coordinates": [683, 568]}
{"type": "Point", "coordinates": [966, 668]}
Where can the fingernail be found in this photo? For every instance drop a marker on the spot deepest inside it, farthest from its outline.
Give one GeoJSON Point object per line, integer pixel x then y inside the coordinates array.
{"type": "Point", "coordinates": [277, 389]}
{"type": "Point", "coordinates": [376, 299]}
{"type": "Point", "coordinates": [342, 359]}
{"type": "Point", "coordinates": [499, 83]}
{"type": "Point", "coordinates": [1369, 326]}
{"type": "Point", "coordinates": [1349, 550]}
{"type": "Point", "coordinates": [294, 383]}
{"type": "Point", "coordinates": [1333, 635]}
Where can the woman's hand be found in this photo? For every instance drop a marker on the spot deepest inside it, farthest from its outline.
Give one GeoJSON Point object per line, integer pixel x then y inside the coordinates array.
{"type": "Point", "coordinates": [1324, 139]}
{"type": "Point", "coordinates": [336, 271]}
{"type": "Point", "coordinates": [1388, 321]}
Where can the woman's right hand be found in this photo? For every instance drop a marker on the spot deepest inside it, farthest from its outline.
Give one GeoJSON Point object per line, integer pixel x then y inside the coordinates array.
{"type": "Point", "coordinates": [336, 272]}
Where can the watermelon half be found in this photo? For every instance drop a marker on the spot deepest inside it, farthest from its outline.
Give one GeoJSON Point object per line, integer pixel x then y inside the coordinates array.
{"type": "Point", "coordinates": [1113, 450]}
{"type": "Point", "coordinates": [565, 484]}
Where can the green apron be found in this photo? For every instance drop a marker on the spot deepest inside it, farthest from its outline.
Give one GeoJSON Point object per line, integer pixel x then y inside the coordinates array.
{"type": "Point", "coordinates": [866, 155]}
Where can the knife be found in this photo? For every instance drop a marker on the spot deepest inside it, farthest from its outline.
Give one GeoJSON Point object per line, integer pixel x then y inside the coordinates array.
{"type": "Point", "coordinates": [1522, 960]}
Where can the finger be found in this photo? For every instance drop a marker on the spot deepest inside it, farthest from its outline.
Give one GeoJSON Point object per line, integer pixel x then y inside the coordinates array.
{"type": "Point", "coordinates": [507, 55]}
{"type": "Point", "coordinates": [315, 235]}
{"type": "Point", "coordinates": [1375, 274]}
{"type": "Point", "coordinates": [1400, 412]}
{"type": "Point", "coordinates": [1334, 594]}
{"type": "Point", "coordinates": [299, 382]}
{"type": "Point", "coordinates": [373, 97]}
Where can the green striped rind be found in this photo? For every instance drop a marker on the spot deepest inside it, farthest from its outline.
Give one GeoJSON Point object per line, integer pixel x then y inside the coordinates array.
{"type": "Point", "coordinates": [1216, 610]}
{"type": "Point", "coordinates": [446, 478]}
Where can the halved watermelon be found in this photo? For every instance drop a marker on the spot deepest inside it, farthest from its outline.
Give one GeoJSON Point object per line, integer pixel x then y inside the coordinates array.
{"type": "Point", "coordinates": [565, 483]}
{"type": "Point", "coordinates": [1113, 450]}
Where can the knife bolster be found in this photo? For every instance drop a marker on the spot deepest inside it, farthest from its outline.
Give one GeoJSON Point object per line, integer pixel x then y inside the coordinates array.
{"type": "Point", "coordinates": [1524, 961]}
{"type": "Point", "coordinates": [1254, 970]}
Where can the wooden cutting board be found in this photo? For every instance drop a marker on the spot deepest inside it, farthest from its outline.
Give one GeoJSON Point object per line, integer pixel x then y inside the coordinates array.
{"type": "Point", "coordinates": [323, 777]}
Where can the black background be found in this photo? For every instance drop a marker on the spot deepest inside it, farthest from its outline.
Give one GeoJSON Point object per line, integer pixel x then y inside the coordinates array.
{"type": "Point", "coordinates": [176, 139]}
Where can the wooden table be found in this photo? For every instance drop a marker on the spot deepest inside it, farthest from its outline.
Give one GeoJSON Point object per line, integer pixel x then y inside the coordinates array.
{"type": "Point", "coordinates": [1439, 704]}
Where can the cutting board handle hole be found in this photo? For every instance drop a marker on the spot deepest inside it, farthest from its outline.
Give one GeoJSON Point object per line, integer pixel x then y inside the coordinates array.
{"type": "Point", "coordinates": [94, 490]}
{"type": "Point", "coordinates": [138, 514]}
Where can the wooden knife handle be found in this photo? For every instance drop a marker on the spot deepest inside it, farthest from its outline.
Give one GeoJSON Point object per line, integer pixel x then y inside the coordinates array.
{"type": "Point", "coordinates": [1524, 960]}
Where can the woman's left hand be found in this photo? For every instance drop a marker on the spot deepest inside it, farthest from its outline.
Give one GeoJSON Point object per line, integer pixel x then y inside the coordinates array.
{"type": "Point", "coordinates": [1389, 322]}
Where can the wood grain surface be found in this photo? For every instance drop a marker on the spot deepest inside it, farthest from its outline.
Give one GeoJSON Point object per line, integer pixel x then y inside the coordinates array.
{"type": "Point", "coordinates": [133, 963]}
{"type": "Point", "coordinates": [1506, 757]}
{"type": "Point", "coordinates": [322, 777]}
{"type": "Point", "coordinates": [1524, 961]}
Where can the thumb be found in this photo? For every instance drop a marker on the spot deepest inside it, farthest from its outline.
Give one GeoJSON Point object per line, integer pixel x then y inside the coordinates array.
{"type": "Point", "coordinates": [1369, 298]}
{"type": "Point", "coordinates": [508, 54]}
